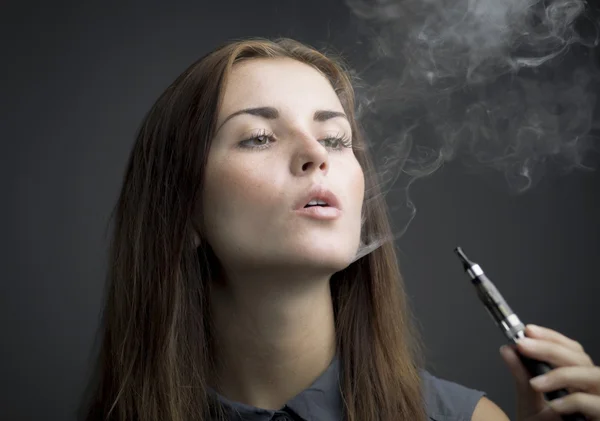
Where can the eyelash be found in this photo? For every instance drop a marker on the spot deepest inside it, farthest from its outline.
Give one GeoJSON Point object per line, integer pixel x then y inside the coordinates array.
{"type": "Point", "coordinates": [341, 139]}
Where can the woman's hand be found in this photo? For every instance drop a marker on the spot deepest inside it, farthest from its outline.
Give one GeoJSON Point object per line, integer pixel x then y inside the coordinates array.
{"type": "Point", "coordinates": [574, 371]}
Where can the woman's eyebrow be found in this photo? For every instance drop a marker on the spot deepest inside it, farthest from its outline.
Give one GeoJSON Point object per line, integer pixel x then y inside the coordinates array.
{"type": "Point", "coordinates": [271, 113]}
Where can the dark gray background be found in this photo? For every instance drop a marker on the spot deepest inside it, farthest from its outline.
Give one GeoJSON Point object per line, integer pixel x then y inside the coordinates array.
{"type": "Point", "coordinates": [77, 80]}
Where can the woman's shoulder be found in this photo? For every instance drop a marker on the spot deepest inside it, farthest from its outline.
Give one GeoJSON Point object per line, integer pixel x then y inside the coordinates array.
{"type": "Point", "coordinates": [448, 401]}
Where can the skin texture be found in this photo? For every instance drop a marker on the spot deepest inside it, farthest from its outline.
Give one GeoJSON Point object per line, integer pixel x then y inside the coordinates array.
{"type": "Point", "coordinates": [574, 370]}
{"type": "Point", "coordinates": [272, 309]}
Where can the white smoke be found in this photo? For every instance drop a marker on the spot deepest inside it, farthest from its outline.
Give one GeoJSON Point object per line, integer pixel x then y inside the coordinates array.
{"type": "Point", "coordinates": [508, 84]}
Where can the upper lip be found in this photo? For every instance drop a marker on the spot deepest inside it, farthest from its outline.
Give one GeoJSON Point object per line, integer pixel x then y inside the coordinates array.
{"type": "Point", "coordinates": [318, 192]}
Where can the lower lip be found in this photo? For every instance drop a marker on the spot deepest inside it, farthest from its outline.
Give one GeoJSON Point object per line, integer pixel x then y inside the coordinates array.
{"type": "Point", "coordinates": [320, 212]}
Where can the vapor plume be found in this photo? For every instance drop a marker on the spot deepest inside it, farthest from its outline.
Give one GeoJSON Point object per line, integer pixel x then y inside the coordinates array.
{"type": "Point", "coordinates": [505, 84]}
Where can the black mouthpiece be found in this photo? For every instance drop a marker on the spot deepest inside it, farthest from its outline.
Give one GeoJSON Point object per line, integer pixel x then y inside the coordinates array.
{"type": "Point", "coordinates": [463, 258]}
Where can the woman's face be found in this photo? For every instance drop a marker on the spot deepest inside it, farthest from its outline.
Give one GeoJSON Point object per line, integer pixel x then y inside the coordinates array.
{"type": "Point", "coordinates": [252, 186]}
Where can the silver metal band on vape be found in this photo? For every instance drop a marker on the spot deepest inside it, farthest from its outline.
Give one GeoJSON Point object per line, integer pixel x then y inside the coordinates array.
{"type": "Point", "coordinates": [512, 326]}
{"type": "Point", "coordinates": [475, 271]}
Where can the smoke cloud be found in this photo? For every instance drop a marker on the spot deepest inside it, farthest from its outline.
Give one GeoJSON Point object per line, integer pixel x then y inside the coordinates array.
{"type": "Point", "coordinates": [505, 84]}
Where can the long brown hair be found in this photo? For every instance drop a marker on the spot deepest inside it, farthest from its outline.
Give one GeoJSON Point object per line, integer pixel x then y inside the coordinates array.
{"type": "Point", "coordinates": [155, 354]}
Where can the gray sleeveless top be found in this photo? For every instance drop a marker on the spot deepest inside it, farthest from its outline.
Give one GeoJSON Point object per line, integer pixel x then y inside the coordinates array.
{"type": "Point", "coordinates": [322, 401]}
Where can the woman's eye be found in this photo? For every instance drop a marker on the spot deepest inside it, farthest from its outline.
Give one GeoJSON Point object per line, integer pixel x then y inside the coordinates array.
{"type": "Point", "coordinates": [338, 141]}
{"type": "Point", "coordinates": [260, 141]}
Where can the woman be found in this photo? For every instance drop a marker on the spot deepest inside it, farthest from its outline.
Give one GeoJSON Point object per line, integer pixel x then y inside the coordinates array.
{"type": "Point", "coordinates": [228, 299]}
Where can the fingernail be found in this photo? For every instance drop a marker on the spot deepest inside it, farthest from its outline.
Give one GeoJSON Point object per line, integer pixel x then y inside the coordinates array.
{"type": "Point", "coordinates": [533, 328]}
{"type": "Point", "coordinates": [525, 341]}
{"type": "Point", "coordinates": [538, 381]}
{"type": "Point", "coordinates": [558, 404]}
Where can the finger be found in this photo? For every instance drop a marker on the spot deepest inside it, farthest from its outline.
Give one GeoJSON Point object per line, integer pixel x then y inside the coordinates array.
{"type": "Point", "coordinates": [546, 414]}
{"type": "Point", "coordinates": [541, 332]}
{"type": "Point", "coordinates": [519, 372]}
{"type": "Point", "coordinates": [588, 405]}
{"type": "Point", "coordinates": [553, 353]}
{"type": "Point", "coordinates": [529, 401]}
{"type": "Point", "coordinates": [586, 379]}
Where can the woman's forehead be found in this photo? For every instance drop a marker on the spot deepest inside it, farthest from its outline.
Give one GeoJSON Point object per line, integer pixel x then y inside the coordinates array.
{"type": "Point", "coordinates": [279, 83]}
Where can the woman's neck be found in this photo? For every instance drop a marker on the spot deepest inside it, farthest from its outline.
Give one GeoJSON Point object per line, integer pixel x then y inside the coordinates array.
{"type": "Point", "coordinates": [272, 339]}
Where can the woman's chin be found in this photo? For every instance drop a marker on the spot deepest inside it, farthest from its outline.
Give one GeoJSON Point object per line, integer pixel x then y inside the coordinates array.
{"type": "Point", "coordinates": [326, 260]}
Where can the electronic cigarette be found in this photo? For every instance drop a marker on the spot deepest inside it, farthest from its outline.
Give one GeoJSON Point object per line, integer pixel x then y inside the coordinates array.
{"type": "Point", "coordinates": [508, 322]}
